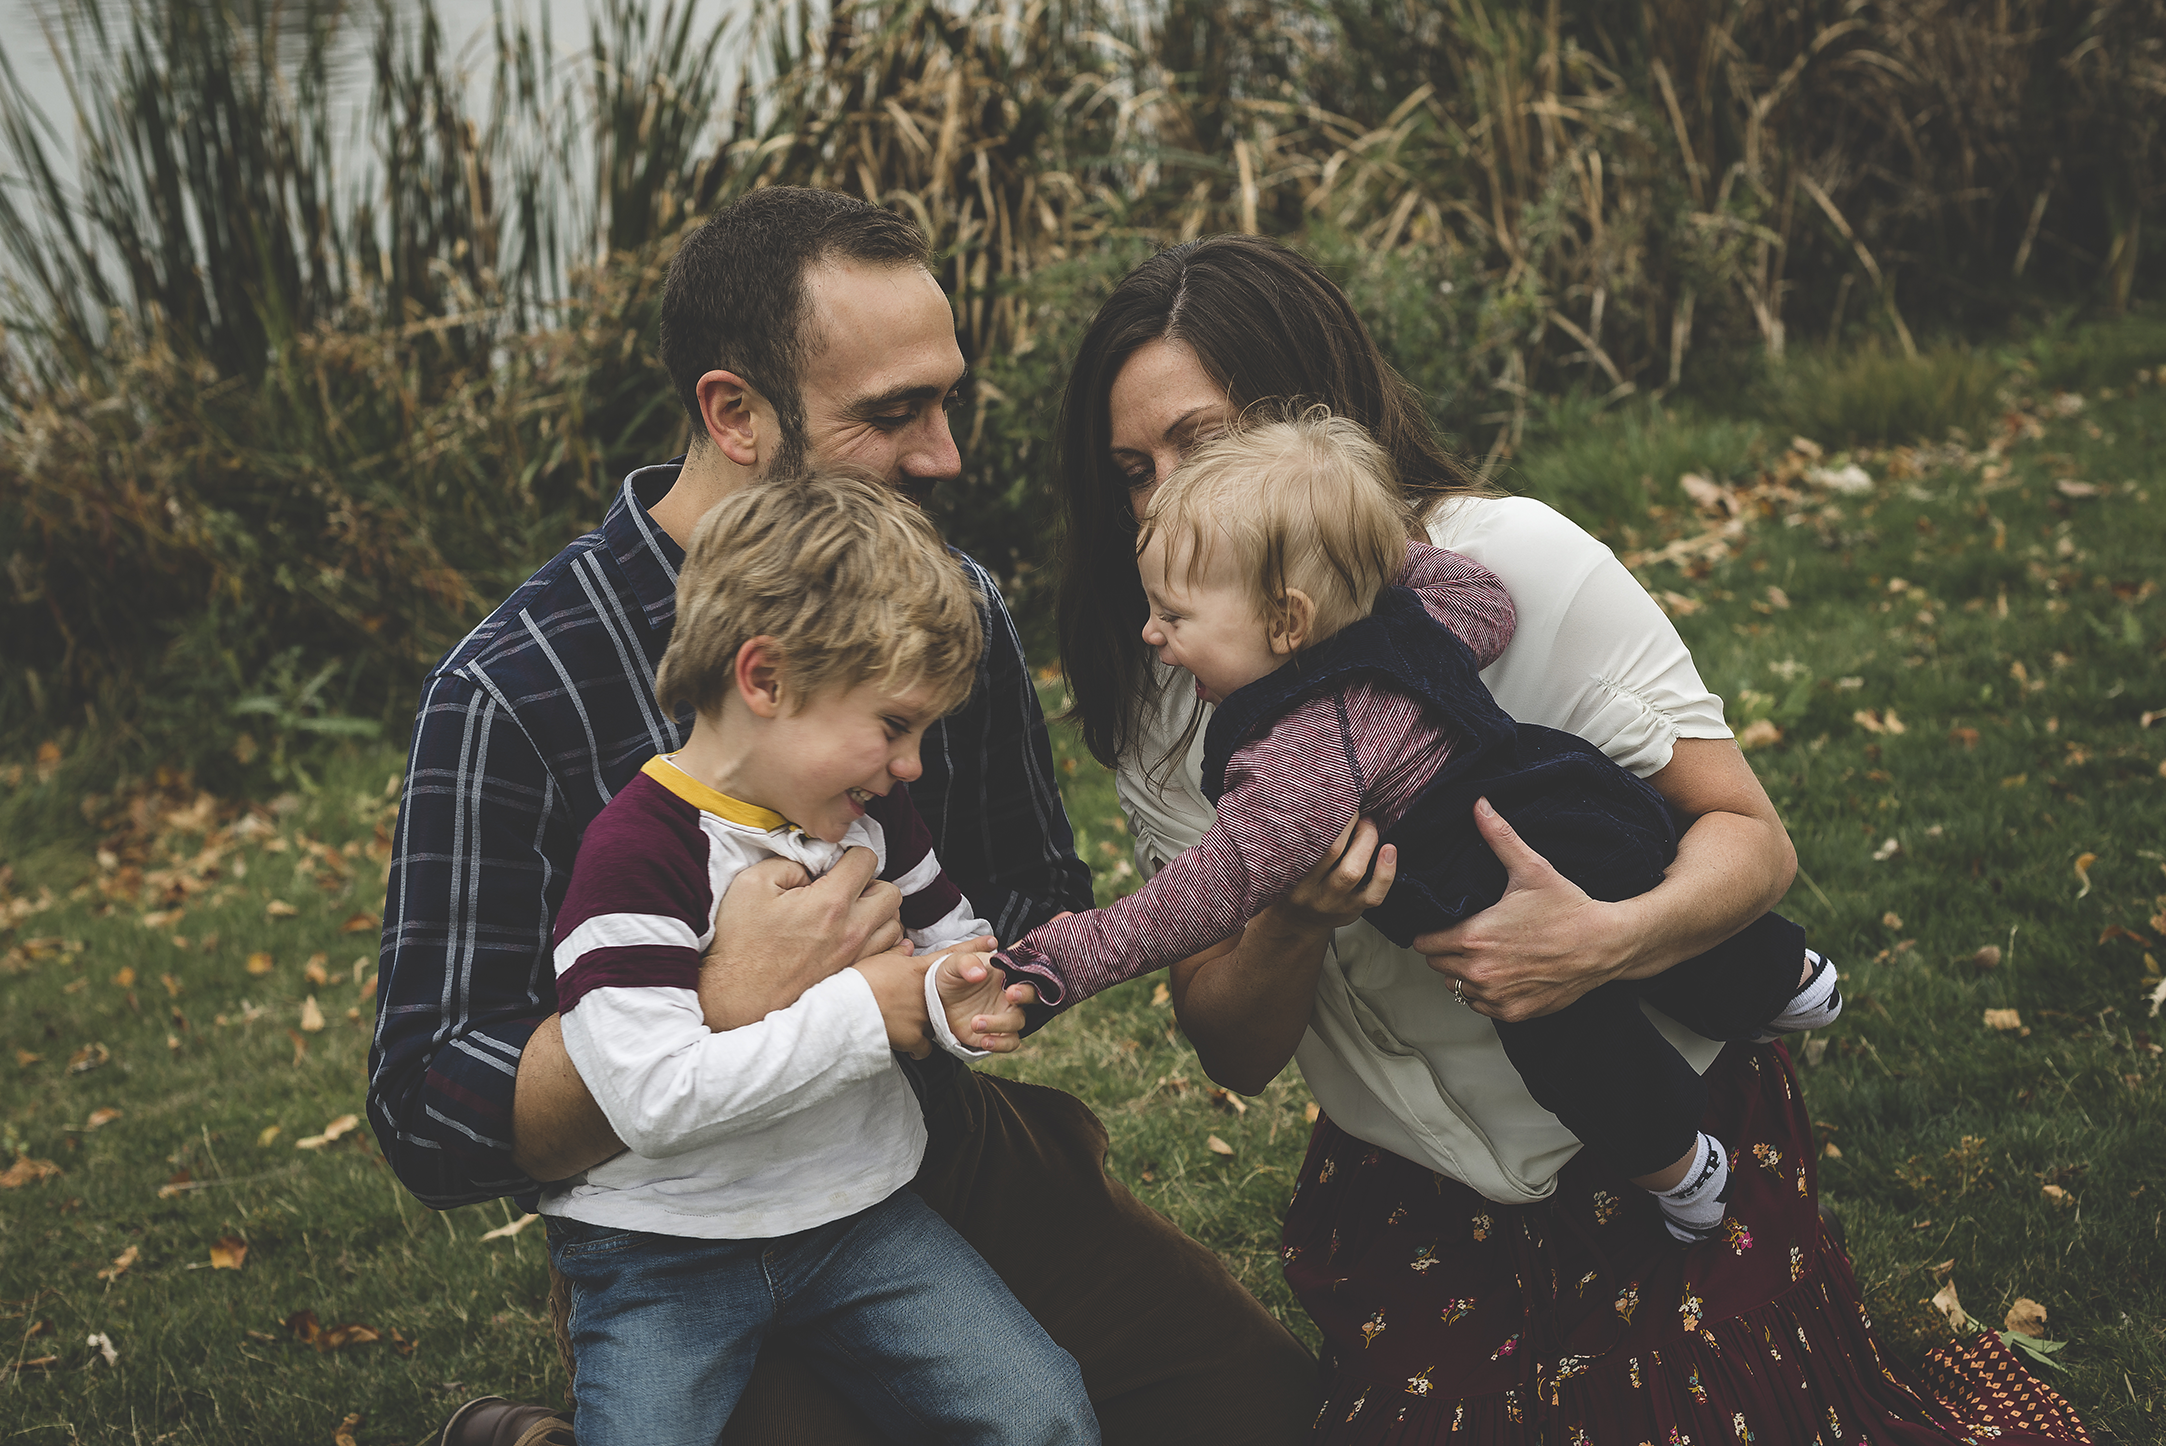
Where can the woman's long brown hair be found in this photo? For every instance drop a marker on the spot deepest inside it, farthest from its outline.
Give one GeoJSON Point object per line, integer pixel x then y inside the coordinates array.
{"type": "Point", "coordinates": [1267, 324]}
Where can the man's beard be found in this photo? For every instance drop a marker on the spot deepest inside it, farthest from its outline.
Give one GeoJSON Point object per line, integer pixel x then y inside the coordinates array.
{"type": "Point", "coordinates": [791, 454]}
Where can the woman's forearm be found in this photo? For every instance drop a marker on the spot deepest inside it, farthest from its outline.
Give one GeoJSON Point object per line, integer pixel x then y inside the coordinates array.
{"type": "Point", "coordinates": [1730, 869]}
{"type": "Point", "coordinates": [1245, 1004]}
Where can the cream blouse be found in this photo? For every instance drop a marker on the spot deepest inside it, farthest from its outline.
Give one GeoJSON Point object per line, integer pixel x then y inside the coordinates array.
{"type": "Point", "coordinates": [1390, 1057]}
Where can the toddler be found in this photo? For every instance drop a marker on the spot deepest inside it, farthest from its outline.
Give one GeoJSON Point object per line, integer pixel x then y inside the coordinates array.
{"type": "Point", "coordinates": [1344, 662]}
{"type": "Point", "coordinates": [821, 626]}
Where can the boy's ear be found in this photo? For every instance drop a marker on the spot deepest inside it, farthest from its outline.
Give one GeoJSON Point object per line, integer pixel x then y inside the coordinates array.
{"type": "Point", "coordinates": [759, 677]}
{"type": "Point", "coordinates": [1290, 630]}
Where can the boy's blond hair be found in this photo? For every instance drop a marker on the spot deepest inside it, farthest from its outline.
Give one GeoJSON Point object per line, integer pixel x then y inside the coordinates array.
{"type": "Point", "coordinates": [1307, 501]}
{"type": "Point", "coordinates": [847, 576]}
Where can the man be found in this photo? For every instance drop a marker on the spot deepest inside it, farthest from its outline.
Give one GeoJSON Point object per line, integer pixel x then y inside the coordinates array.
{"type": "Point", "coordinates": [796, 325]}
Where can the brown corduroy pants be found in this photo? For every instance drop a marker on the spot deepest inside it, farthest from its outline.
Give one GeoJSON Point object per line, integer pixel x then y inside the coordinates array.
{"type": "Point", "coordinates": [1173, 1349]}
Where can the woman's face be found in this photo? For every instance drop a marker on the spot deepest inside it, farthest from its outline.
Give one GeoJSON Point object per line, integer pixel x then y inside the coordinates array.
{"type": "Point", "coordinates": [1162, 403]}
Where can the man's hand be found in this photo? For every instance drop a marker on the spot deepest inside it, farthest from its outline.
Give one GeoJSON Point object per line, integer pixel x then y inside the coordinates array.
{"type": "Point", "coordinates": [1536, 949]}
{"type": "Point", "coordinates": [898, 987]}
{"type": "Point", "coordinates": [778, 932]}
{"type": "Point", "coordinates": [983, 1009]}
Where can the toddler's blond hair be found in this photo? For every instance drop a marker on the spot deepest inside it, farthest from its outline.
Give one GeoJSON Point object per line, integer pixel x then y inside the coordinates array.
{"type": "Point", "coordinates": [1307, 501]}
{"type": "Point", "coordinates": [847, 576]}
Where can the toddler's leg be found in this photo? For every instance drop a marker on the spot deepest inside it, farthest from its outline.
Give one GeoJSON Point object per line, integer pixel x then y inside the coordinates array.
{"type": "Point", "coordinates": [907, 1320]}
{"type": "Point", "coordinates": [664, 1331]}
{"type": "Point", "coordinates": [1732, 990]}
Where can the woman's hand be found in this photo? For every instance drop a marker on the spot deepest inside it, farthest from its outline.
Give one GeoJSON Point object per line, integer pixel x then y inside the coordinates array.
{"type": "Point", "coordinates": [1536, 949]}
{"type": "Point", "coordinates": [1340, 888]}
{"type": "Point", "coordinates": [1245, 1003]}
{"type": "Point", "coordinates": [1545, 943]}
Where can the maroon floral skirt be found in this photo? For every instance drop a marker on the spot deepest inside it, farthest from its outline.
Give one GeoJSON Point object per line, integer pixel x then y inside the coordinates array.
{"type": "Point", "coordinates": [1449, 1317]}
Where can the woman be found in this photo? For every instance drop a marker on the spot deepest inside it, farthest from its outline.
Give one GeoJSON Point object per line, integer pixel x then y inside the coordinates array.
{"type": "Point", "coordinates": [1468, 1270]}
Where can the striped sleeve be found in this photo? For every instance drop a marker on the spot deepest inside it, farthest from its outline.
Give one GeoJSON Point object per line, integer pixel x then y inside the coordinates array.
{"type": "Point", "coordinates": [628, 947]}
{"type": "Point", "coordinates": [1288, 795]}
{"type": "Point", "coordinates": [1462, 595]}
{"type": "Point", "coordinates": [465, 962]}
{"type": "Point", "coordinates": [934, 912]}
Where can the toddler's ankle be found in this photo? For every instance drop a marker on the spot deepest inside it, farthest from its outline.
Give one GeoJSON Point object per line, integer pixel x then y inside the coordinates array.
{"type": "Point", "coordinates": [1817, 1003]}
{"type": "Point", "coordinates": [1693, 1210]}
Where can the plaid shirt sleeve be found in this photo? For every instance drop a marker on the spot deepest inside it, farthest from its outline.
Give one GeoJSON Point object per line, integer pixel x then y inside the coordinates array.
{"type": "Point", "coordinates": [988, 796]}
{"type": "Point", "coordinates": [466, 959]}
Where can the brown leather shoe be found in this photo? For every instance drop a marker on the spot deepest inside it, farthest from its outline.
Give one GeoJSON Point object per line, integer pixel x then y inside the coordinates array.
{"type": "Point", "coordinates": [494, 1421]}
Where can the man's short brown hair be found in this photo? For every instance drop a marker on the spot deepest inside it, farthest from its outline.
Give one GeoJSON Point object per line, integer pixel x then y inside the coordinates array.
{"type": "Point", "coordinates": [848, 577]}
{"type": "Point", "coordinates": [1308, 501]}
{"type": "Point", "coordinates": [735, 298]}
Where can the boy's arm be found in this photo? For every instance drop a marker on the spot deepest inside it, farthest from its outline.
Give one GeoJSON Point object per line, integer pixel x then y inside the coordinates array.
{"type": "Point", "coordinates": [1289, 796]}
{"type": "Point", "coordinates": [988, 793]}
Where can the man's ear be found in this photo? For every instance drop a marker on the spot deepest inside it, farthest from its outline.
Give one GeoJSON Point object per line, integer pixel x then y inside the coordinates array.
{"type": "Point", "coordinates": [737, 418]}
{"type": "Point", "coordinates": [759, 676]}
{"type": "Point", "coordinates": [1290, 630]}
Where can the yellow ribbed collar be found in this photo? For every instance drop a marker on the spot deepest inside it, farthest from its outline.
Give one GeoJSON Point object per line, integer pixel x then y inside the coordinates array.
{"type": "Point", "coordinates": [710, 800]}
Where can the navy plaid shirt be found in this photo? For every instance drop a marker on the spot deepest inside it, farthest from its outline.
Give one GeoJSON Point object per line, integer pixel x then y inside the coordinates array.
{"type": "Point", "coordinates": [526, 729]}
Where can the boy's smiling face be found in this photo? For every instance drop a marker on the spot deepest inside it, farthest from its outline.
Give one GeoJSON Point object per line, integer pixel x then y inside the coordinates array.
{"type": "Point", "coordinates": [822, 757]}
{"type": "Point", "coordinates": [1202, 619]}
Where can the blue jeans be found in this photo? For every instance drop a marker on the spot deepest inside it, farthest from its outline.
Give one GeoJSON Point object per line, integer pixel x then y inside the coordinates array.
{"type": "Point", "coordinates": [898, 1314]}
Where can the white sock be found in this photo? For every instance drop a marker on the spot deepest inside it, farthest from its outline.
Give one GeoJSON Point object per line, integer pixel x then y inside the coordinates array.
{"type": "Point", "coordinates": [1816, 1003]}
{"type": "Point", "coordinates": [1693, 1211]}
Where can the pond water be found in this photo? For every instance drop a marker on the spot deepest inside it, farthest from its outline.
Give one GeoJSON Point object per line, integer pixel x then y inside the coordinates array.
{"type": "Point", "coordinates": [28, 29]}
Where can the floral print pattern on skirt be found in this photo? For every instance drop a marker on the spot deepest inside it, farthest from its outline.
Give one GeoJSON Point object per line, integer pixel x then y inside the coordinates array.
{"type": "Point", "coordinates": [1448, 1317]}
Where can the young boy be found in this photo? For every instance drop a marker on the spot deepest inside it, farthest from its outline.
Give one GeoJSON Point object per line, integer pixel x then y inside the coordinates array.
{"type": "Point", "coordinates": [821, 626]}
{"type": "Point", "coordinates": [1268, 559]}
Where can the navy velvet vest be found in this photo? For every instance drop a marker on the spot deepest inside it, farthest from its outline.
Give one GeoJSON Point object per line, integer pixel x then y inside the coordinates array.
{"type": "Point", "coordinates": [1597, 824]}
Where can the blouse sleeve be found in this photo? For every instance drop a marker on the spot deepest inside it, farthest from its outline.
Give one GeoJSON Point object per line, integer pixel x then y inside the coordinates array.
{"type": "Point", "coordinates": [1593, 654]}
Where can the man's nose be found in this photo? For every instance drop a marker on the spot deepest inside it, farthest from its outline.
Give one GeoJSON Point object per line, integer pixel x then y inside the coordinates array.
{"type": "Point", "coordinates": [933, 455]}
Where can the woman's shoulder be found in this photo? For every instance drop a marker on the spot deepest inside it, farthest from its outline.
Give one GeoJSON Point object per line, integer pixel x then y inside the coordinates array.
{"type": "Point", "coordinates": [1481, 527]}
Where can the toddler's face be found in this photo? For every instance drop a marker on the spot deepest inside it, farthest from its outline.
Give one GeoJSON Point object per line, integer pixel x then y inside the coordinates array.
{"type": "Point", "coordinates": [1205, 622]}
{"type": "Point", "coordinates": [837, 748]}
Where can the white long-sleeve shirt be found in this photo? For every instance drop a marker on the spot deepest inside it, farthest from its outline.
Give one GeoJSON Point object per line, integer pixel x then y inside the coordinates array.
{"type": "Point", "coordinates": [770, 1128]}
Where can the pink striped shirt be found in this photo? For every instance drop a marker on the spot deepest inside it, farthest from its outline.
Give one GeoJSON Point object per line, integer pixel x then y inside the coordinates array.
{"type": "Point", "coordinates": [1366, 749]}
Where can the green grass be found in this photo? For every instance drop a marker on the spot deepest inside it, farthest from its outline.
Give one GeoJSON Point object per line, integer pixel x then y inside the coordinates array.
{"type": "Point", "coordinates": [1949, 1132]}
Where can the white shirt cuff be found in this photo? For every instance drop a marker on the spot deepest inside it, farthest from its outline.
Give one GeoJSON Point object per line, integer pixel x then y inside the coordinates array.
{"type": "Point", "coordinates": [938, 1014]}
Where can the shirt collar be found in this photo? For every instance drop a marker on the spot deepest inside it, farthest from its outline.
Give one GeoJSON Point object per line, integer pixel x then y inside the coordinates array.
{"type": "Point", "coordinates": [648, 556]}
{"type": "Point", "coordinates": [710, 800]}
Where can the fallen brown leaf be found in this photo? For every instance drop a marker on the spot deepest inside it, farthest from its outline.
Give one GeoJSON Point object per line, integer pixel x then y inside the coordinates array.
{"type": "Point", "coordinates": [344, 1436]}
{"type": "Point", "coordinates": [1891, 920]}
{"type": "Point", "coordinates": [88, 1058]}
{"type": "Point", "coordinates": [172, 985]}
{"type": "Point", "coordinates": [1216, 1145]}
{"type": "Point", "coordinates": [38, 1363]}
{"type": "Point", "coordinates": [120, 1264]}
{"type": "Point", "coordinates": [331, 1132]}
{"type": "Point", "coordinates": [2027, 1317]}
{"type": "Point", "coordinates": [1944, 1300]}
{"type": "Point", "coordinates": [2057, 1195]}
{"type": "Point", "coordinates": [26, 1171]}
{"type": "Point", "coordinates": [228, 1252]}
{"type": "Point", "coordinates": [125, 978]}
{"type": "Point", "coordinates": [2083, 872]}
{"type": "Point", "coordinates": [104, 1116]}
{"type": "Point", "coordinates": [2003, 1019]}
{"type": "Point", "coordinates": [1311, 1111]}
{"type": "Point", "coordinates": [1228, 1100]}
{"type": "Point", "coordinates": [1831, 1151]}
{"type": "Point", "coordinates": [314, 971]}
{"type": "Point", "coordinates": [24, 1058]}
{"type": "Point", "coordinates": [311, 1015]}
{"type": "Point", "coordinates": [505, 1232]}
{"type": "Point", "coordinates": [270, 1133]}
{"type": "Point", "coordinates": [300, 1045]}
{"type": "Point", "coordinates": [1987, 958]}
{"type": "Point", "coordinates": [280, 909]}
{"type": "Point", "coordinates": [360, 924]}
{"type": "Point", "coordinates": [1968, 737]}
{"type": "Point", "coordinates": [259, 963]}
{"type": "Point", "coordinates": [1759, 733]}
{"type": "Point", "coordinates": [1161, 994]}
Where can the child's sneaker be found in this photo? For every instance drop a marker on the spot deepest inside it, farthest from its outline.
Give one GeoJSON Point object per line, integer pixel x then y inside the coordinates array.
{"type": "Point", "coordinates": [1815, 1005]}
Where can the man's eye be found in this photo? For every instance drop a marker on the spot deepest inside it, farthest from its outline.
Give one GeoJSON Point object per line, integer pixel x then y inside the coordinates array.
{"type": "Point", "coordinates": [892, 423]}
